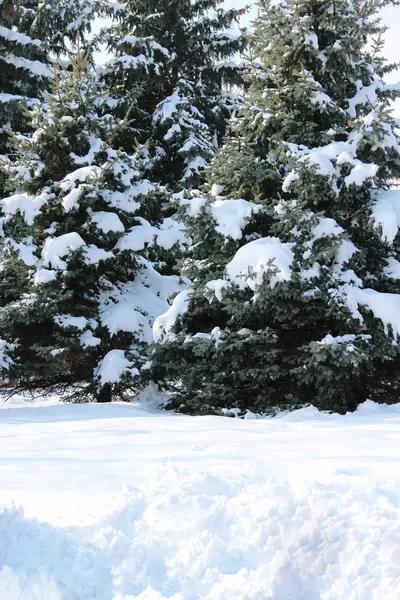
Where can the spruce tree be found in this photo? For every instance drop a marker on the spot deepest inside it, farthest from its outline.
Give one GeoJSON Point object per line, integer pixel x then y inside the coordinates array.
{"type": "Point", "coordinates": [80, 289]}
{"type": "Point", "coordinates": [24, 72]}
{"type": "Point", "coordinates": [32, 35]}
{"type": "Point", "coordinates": [295, 295]}
{"type": "Point", "coordinates": [173, 65]}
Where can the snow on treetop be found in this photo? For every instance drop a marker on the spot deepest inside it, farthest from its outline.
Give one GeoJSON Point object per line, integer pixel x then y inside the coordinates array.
{"type": "Point", "coordinates": [386, 213]}
{"type": "Point", "coordinates": [265, 255]}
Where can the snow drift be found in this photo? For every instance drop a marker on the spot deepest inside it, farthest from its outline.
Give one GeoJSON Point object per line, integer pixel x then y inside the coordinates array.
{"type": "Point", "coordinates": [215, 508]}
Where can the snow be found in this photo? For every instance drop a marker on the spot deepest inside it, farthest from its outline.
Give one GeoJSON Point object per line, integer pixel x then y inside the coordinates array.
{"type": "Point", "coordinates": [25, 250]}
{"type": "Point", "coordinates": [81, 174]}
{"type": "Point", "coordinates": [44, 276]}
{"type": "Point", "coordinates": [93, 254]}
{"type": "Point", "coordinates": [366, 94]}
{"type": "Point", "coordinates": [164, 323]}
{"type": "Point", "coordinates": [71, 200]}
{"type": "Point", "coordinates": [123, 316]}
{"type": "Point", "coordinates": [123, 503]}
{"type": "Point", "coordinates": [217, 286]}
{"type": "Point", "coordinates": [88, 340]}
{"type": "Point", "coordinates": [34, 66]}
{"type": "Point", "coordinates": [56, 248]}
{"type": "Point", "coordinates": [5, 351]}
{"type": "Point", "coordinates": [28, 207]}
{"type": "Point", "coordinates": [386, 213]}
{"type": "Point", "coordinates": [231, 216]}
{"type": "Point", "coordinates": [134, 306]}
{"type": "Point", "coordinates": [112, 367]}
{"type": "Point", "coordinates": [169, 233]}
{"type": "Point", "coordinates": [392, 268]}
{"type": "Point", "coordinates": [329, 339]}
{"type": "Point", "coordinates": [216, 190]}
{"type": "Point", "coordinates": [71, 321]}
{"type": "Point", "coordinates": [107, 221]}
{"type": "Point", "coordinates": [15, 36]}
{"type": "Point", "coordinates": [252, 261]}
{"type": "Point", "coordinates": [95, 147]}
{"type": "Point", "coordinates": [360, 172]}
{"type": "Point", "coordinates": [327, 161]}
{"type": "Point", "coordinates": [326, 227]}
{"type": "Point", "coordinates": [384, 306]}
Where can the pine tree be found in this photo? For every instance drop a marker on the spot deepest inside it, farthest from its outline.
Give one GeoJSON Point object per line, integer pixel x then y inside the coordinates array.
{"type": "Point", "coordinates": [81, 290]}
{"type": "Point", "coordinates": [173, 64]}
{"type": "Point", "coordinates": [32, 35]}
{"type": "Point", "coordinates": [24, 72]}
{"type": "Point", "coordinates": [295, 295]}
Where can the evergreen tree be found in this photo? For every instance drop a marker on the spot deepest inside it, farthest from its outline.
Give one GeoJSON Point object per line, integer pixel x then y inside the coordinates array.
{"type": "Point", "coordinates": [24, 72]}
{"type": "Point", "coordinates": [173, 62]}
{"type": "Point", "coordinates": [80, 291]}
{"type": "Point", "coordinates": [295, 295]}
{"type": "Point", "coordinates": [32, 35]}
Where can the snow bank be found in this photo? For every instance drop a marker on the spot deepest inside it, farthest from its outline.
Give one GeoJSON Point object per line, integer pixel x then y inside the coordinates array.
{"type": "Point", "coordinates": [192, 535]}
{"type": "Point", "coordinates": [301, 506]}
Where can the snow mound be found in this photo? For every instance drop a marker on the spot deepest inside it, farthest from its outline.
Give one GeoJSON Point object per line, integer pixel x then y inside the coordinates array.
{"type": "Point", "coordinates": [41, 562]}
{"type": "Point", "coordinates": [187, 535]}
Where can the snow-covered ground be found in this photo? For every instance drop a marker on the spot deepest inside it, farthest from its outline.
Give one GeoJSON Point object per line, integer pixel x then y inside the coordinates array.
{"type": "Point", "coordinates": [119, 502]}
